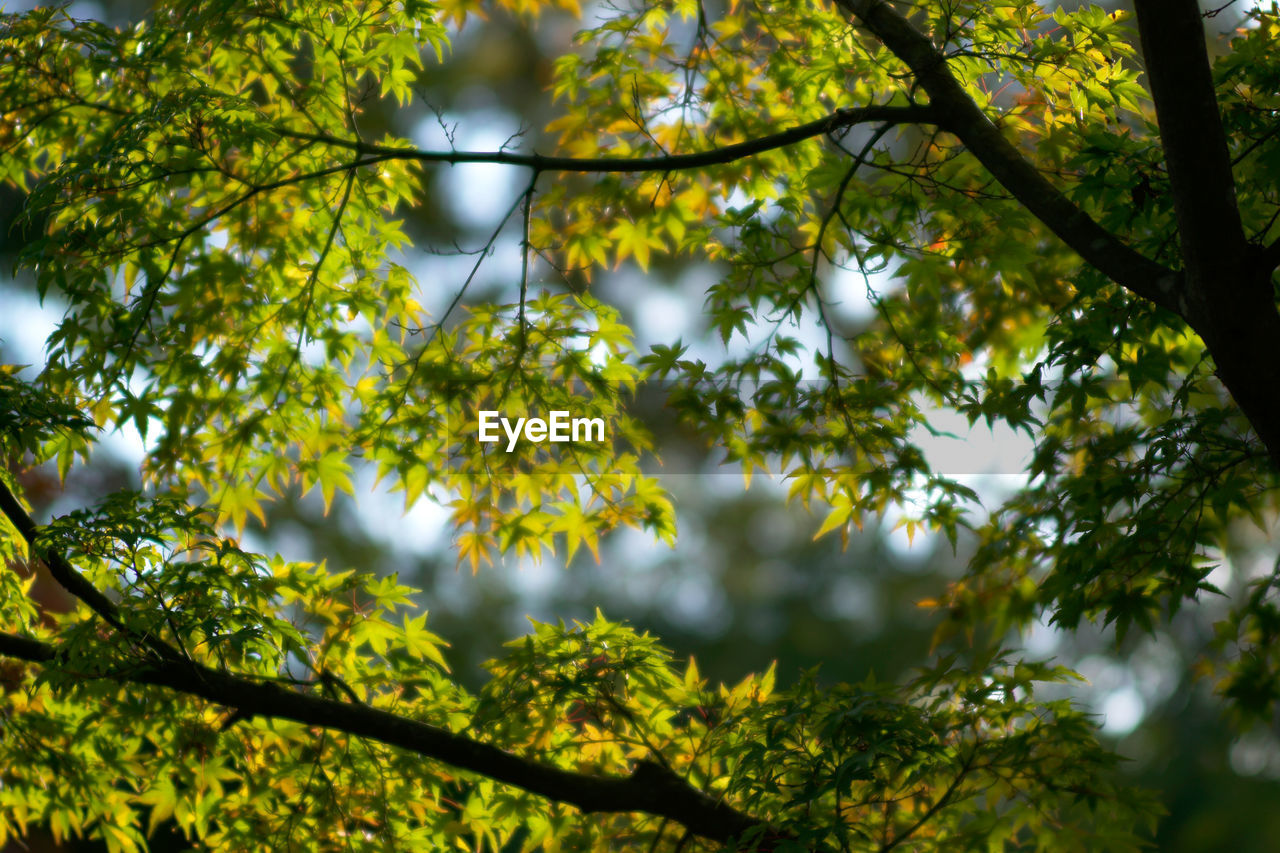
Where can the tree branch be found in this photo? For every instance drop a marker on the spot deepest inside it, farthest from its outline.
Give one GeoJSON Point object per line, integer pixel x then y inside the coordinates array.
{"type": "Point", "coordinates": [837, 120]}
{"type": "Point", "coordinates": [1195, 146]}
{"type": "Point", "coordinates": [24, 648]}
{"type": "Point", "coordinates": [957, 113]}
{"type": "Point", "coordinates": [1228, 288]}
{"type": "Point", "coordinates": [650, 788]}
{"type": "Point", "coordinates": [77, 584]}
{"type": "Point", "coordinates": [61, 569]}
{"type": "Point", "coordinates": [1270, 258]}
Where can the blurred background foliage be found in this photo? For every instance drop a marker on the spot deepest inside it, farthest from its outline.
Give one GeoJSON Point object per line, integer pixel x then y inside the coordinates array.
{"type": "Point", "coordinates": [746, 583]}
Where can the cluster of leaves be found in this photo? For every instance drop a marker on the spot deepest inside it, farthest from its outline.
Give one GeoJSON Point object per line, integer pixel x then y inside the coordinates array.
{"type": "Point", "coordinates": [1142, 463]}
{"type": "Point", "coordinates": [87, 754]}
{"type": "Point", "coordinates": [958, 756]}
{"type": "Point", "coordinates": [32, 422]}
{"type": "Point", "coordinates": [235, 289]}
{"type": "Point", "coordinates": [970, 760]}
{"type": "Point", "coordinates": [567, 354]}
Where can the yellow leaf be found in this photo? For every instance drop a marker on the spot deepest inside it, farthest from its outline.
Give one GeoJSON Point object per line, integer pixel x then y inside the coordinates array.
{"type": "Point", "coordinates": [838, 517]}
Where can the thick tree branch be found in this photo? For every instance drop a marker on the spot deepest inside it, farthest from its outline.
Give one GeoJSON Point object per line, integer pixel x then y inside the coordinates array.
{"type": "Point", "coordinates": [1270, 258]}
{"type": "Point", "coordinates": [61, 569]}
{"type": "Point", "coordinates": [77, 584]}
{"type": "Point", "coordinates": [1228, 289]}
{"type": "Point", "coordinates": [958, 114]}
{"type": "Point", "coordinates": [1191, 134]}
{"type": "Point", "coordinates": [650, 788]}
{"type": "Point", "coordinates": [24, 648]}
{"type": "Point", "coordinates": [837, 120]}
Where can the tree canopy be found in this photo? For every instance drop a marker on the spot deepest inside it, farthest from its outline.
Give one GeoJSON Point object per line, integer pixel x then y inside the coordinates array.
{"type": "Point", "coordinates": [1065, 223]}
